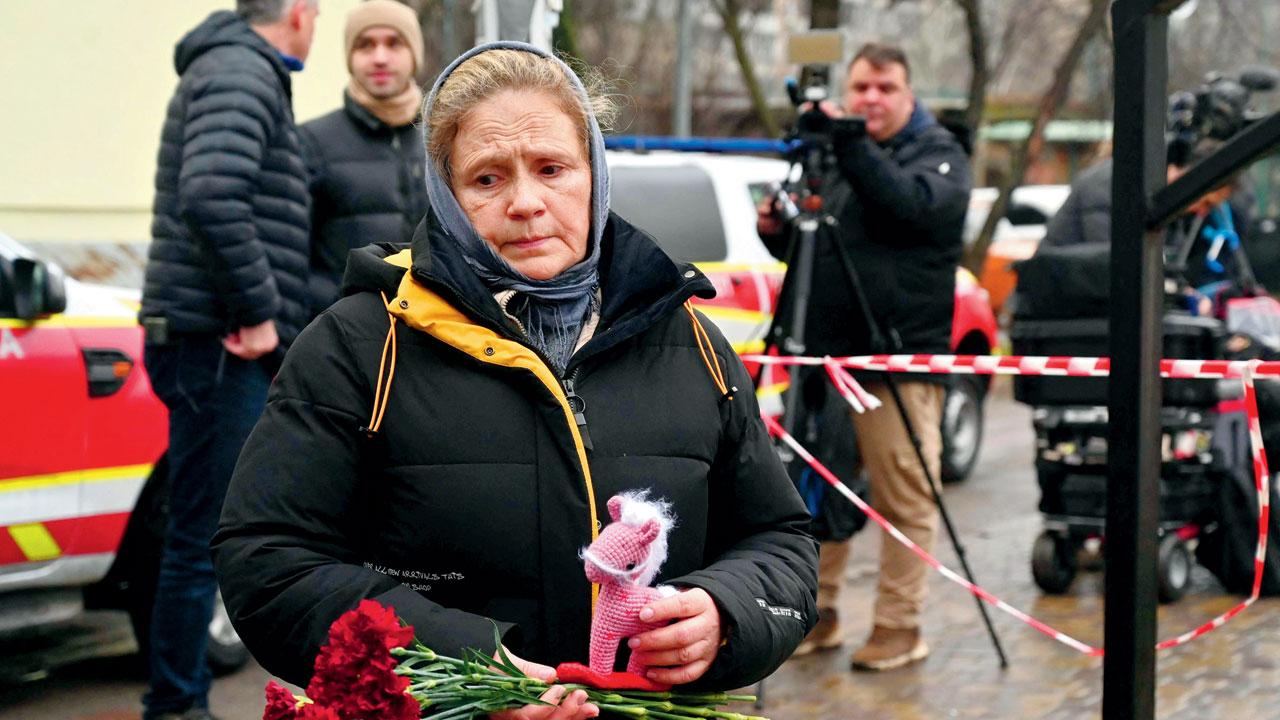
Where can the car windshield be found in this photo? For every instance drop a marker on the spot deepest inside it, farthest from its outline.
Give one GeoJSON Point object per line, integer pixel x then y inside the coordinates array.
{"type": "Point", "coordinates": [675, 204]}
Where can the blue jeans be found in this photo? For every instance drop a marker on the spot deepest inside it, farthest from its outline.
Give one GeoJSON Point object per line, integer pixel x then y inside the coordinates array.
{"type": "Point", "coordinates": [214, 400]}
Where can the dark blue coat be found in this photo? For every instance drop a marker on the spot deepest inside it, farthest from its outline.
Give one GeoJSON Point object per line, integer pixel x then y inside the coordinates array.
{"type": "Point", "coordinates": [899, 209]}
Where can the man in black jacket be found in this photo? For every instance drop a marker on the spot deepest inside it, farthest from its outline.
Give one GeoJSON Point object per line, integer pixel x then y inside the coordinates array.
{"type": "Point", "coordinates": [366, 158]}
{"type": "Point", "coordinates": [899, 195]}
{"type": "Point", "coordinates": [224, 295]}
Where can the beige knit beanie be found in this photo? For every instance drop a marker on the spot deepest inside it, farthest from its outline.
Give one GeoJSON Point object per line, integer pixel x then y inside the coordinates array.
{"type": "Point", "coordinates": [385, 13]}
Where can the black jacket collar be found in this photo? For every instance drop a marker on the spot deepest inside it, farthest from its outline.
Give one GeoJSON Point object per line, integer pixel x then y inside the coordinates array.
{"type": "Point", "coordinates": [639, 282]}
{"type": "Point", "coordinates": [363, 117]}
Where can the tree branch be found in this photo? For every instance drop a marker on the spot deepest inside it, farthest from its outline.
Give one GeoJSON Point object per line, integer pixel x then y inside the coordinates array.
{"type": "Point", "coordinates": [729, 11]}
{"type": "Point", "coordinates": [979, 75]}
{"type": "Point", "coordinates": [1031, 147]}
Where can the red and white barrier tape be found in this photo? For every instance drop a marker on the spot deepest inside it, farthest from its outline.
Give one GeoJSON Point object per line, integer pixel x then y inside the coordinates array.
{"type": "Point", "coordinates": [1052, 366]}
{"type": "Point", "coordinates": [1023, 365]}
{"type": "Point", "coordinates": [776, 430]}
{"type": "Point", "coordinates": [1261, 480]}
{"type": "Point", "coordinates": [853, 393]}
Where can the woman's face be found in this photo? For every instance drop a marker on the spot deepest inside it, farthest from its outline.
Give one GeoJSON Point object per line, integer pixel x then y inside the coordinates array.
{"type": "Point", "coordinates": [522, 177]}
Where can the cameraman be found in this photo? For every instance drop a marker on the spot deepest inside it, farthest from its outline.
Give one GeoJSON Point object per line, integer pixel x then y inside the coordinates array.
{"type": "Point", "coordinates": [899, 193]}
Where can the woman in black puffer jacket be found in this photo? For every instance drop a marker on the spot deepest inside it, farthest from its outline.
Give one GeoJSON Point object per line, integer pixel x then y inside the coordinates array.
{"type": "Point", "coordinates": [545, 359]}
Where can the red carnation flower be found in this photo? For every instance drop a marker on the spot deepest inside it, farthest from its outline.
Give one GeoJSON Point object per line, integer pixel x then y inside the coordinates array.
{"type": "Point", "coordinates": [311, 711]}
{"type": "Point", "coordinates": [355, 675]}
{"type": "Point", "coordinates": [281, 704]}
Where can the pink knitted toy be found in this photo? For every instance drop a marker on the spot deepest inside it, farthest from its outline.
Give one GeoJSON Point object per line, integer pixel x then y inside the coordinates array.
{"type": "Point", "coordinates": [623, 560]}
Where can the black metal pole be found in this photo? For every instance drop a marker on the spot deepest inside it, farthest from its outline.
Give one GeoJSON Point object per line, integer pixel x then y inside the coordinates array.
{"type": "Point", "coordinates": [1134, 395]}
{"type": "Point", "coordinates": [794, 342]}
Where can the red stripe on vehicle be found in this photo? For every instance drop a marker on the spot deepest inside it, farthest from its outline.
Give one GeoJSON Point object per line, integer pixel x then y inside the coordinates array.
{"type": "Point", "coordinates": [90, 535]}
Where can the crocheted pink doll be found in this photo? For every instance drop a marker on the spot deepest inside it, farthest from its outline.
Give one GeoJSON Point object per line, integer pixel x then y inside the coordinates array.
{"type": "Point", "coordinates": [624, 559]}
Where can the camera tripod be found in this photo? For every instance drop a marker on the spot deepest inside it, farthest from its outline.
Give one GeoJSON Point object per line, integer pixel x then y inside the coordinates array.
{"type": "Point", "coordinates": [811, 224]}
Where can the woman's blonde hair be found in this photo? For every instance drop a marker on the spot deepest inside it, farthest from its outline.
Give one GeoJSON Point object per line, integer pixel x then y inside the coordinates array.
{"type": "Point", "coordinates": [489, 73]}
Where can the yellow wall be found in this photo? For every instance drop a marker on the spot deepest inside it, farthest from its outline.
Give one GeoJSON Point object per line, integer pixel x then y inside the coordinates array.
{"type": "Point", "coordinates": [83, 89]}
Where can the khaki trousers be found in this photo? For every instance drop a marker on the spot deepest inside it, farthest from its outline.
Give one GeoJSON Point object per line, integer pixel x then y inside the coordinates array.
{"type": "Point", "coordinates": [900, 492]}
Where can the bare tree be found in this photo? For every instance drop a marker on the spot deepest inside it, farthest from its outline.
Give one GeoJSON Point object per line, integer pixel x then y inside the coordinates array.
{"type": "Point", "coordinates": [729, 11]}
{"type": "Point", "coordinates": [433, 16]}
{"type": "Point", "coordinates": [1031, 147]}
{"type": "Point", "coordinates": [1222, 36]}
{"type": "Point", "coordinates": [979, 74]}
{"type": "Point", "coordinates": [1017, 23]}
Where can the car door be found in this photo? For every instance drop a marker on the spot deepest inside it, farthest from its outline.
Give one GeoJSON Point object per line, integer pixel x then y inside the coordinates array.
{"type": "Point", "coordinates": [43, 400]}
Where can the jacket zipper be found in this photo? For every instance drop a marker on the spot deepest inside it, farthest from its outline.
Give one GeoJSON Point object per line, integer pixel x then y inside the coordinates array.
{"type": "Point", "coordinates": [576, 404]}
{"type": "Point", "coordinates": [579, 408]}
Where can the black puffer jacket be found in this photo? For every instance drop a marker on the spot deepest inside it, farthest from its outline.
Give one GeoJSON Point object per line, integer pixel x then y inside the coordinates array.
{"type": "Point", "coordinates": [1085, 216]}
{"type": "Point", "coordinates": [367, 186]}
{"type": "Point", "coordinates": [900, 209]}
{"type": "Point", "coordinates": [229, 239]}
{"type": "Point", "coordinates": [476, 494]}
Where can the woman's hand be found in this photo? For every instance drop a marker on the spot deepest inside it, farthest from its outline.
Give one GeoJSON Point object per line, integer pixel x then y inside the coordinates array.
{"type": "Point", "coordinates": [560, 707]}
{"type": "Point", "coordinates": [573, 707]}
{"type": "Point", "coordinates": [683, 650]}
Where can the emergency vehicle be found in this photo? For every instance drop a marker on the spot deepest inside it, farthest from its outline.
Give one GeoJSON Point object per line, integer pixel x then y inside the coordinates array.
{"type": "Point", "coordinates": [82, 439]}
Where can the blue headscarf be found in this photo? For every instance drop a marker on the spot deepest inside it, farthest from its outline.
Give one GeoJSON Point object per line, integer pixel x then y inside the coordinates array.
{"type": "Point", "coordinates": [552, 311]}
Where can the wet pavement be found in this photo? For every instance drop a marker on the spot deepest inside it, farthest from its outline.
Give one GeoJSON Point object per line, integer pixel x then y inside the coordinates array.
{"type": "Point", "coordinates": [1232, 673]}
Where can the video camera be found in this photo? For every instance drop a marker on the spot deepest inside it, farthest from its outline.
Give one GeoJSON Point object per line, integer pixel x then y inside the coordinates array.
{"type": "Point", "coordinates": [816, 52]}
{"type": "Point", "coordinates": [1218, 109]}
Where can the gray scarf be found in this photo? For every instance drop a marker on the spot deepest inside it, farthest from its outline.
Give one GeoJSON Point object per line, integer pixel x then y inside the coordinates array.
{"type": "Point", "coordinates": [551, 311]}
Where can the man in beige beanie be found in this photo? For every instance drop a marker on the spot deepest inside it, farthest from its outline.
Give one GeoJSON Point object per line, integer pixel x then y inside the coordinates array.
{"type": "Point", "coordinates": [366, 159]}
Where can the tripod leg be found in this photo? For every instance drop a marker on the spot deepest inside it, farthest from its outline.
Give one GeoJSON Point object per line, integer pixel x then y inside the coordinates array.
{"type": "Point", "coordinates": [759, 703]}
{"type": "Point", "coordinates": [942, 511]}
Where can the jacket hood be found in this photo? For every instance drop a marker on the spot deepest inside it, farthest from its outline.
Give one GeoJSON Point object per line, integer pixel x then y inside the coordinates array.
{"type": "Point", "coordinates": [368, 270]}
{"type": "Point", "coordinates": [224, 27]}
{"type": "Point", "coordinates": [638, 281]}
{"type": "Point", "coordinates": [455, 221]}
{"type": "Point", "coordinates": [921, 119]}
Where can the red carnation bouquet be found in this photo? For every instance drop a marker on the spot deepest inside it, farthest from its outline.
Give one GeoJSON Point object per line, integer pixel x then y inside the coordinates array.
{"type": "Point", "coordinates": [366, 671]}
{"type": "Point", "coordinates": [355, 676]}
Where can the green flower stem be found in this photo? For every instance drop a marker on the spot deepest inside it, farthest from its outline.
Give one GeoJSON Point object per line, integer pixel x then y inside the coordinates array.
{"type": "Point", "coordinates": [710, 697]}
{"type": "Point", "coordinates": [668, 709]}
{"type": "Point", "coordinates": [458, 689]}
{"type": "Point", "coordinates": [631, 710]}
